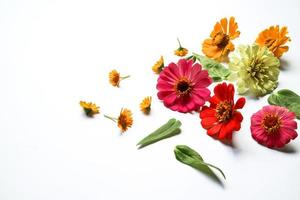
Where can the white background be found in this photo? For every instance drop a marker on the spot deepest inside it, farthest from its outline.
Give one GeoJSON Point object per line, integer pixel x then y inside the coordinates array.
{"type": "Point", "coordinates": [55, 53]}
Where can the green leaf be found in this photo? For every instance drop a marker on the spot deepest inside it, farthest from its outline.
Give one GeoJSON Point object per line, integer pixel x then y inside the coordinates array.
{"type": "Point", "coordinates": [169, 129]}
{"type": "Point", "coordinates": [216, 70]}
{"type": "Point", "coordinates": [286, 98]}
{"type": "Point", "coordinates": [192, 158]}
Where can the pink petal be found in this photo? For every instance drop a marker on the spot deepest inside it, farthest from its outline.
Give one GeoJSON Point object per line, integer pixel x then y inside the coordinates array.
{"type": "Point", "coordinates": [288, 116]}
{"type": "Point", "coordinates": [198, 100]}
{"type": "Point", "coordinates": [170, 99]}
{"type": "Point", "coordinates": [164, 86]}
{"type": "Point", "coordinates": [292, 134]}
{"type": "Point", "coordinates": [173, 68]}
{"type": "Point", "coordinates": [162, 94]}
{"type": "Point", "coordinates": [289, 124]}
{"type": "Point", "coordinates": [197, 68]}
{"type": "Point", "coordinates": [203, 83]}
{"type": "Point", "coordinates": [184, 67]}
{"type": "Point", "coordinates": [169, 74]}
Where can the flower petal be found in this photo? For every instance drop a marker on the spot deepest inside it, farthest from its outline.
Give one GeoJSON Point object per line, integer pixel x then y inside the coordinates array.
{"type": "Point", "coordinates": [207, 112]}
{"type": "Point", "coordinates": [214, 130]}
{"type": "Point", "coordinates": [240, 103]}
{"type": "Point", "coordinates": [208, 122]}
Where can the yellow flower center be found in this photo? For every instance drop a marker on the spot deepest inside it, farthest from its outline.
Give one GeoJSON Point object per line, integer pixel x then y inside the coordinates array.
{"type": "Point", "coordinates": [221, 40]}
{"type": "Point", "coordinates": [271, 123]}
{"type": "Point", "coordinates": [224, 111]}
{"type": "Point", "coordinates": [256, 68]}
{"type": "Point", "coordinates": [183, 86]}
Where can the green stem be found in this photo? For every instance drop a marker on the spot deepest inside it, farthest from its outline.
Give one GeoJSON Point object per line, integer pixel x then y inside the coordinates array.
{"type": "Point", "coordinates": [215, 168]}
{"type": "Point", "coordinates": [111, 118]}
{"type": "Point", "coordinates": [179, 43]}
{"type": "Point", "coordinates": [124, 77]}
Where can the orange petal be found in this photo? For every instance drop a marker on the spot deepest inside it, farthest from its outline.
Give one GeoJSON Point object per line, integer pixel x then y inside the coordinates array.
{"type": "Point", "coordinates": [217, 29]}
{"type": "Point", "coordinates": [233, 26]}
{"type": "Point", "coordinates": [223, 23]}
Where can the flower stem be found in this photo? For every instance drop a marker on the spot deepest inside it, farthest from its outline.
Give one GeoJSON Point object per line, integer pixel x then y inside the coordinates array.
{"type": "Point", "coordinates": [124, 77]}
{"type": "Point", "coordinates": [111, 118]}
{"type": "Point", "coordinates": [179, 43]}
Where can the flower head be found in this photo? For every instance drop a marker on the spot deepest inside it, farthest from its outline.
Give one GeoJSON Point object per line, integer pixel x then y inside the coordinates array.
{"type": "Point", "coordinates": [145, 105]}
{"type": "Point", "coordinates": [90, 109]}
{"type": "Point", "coordinates": [158, 66]}
{"type": "Point", "coordinates": [219, 45]}
{"type": "Point", "coordinates": [255, 69]}
{"type": "Point", "coordinates": [273, 126]}
{"type": "Point", "coordinates": [274, 38]}
{"type": "Point", "coordinates": [221, 118]}
{"type": "Point", "coordinates": [115, 78]}
{"type": "Point", "coordinates": [180, 51]}
{"type": "Point", "coordinates": [183, 86]}
{"type": "Point", "coordinates": [124, 120]}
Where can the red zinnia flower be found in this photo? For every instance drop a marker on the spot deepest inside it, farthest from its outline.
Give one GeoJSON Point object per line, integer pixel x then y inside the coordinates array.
{"type": "Point", "coordinates": [273, 126]}
{"type": "Point", "coordinates": [183, 86]}
{"type": "Point", "coordinates": [221, 118]}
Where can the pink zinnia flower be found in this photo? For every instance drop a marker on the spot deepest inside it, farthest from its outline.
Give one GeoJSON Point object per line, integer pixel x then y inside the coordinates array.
{"type": "Point", "coordinates": [273, 126]}
{"type": "Point", "coordinates": [183, 86]}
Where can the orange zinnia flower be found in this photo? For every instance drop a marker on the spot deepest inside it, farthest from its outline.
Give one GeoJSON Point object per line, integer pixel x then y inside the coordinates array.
{"type": "Point", "coordinates": [274, 38]}
{"type": "Point", "coordinates": [219, 45]}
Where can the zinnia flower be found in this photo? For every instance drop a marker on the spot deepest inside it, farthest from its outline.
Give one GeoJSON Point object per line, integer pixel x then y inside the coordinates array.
{"type": "Point", "coordinates": [181, 51]}
{"type": "Point", "coordinates": [219, 45]}
{"type": "Point", "coordinates": [90, 109]}
{"type": "Point", "coordinates": [158, 66]}
{"type": "Point", "coordinates": [183, 86]}
{"type": "Point", "coordinates": [274, 39]}
{"type": "Point", "coordinates": [273, 126]}
{"type": "Point", "coordinates": [255, 69]}
{"type": "Point", "coordinates": [124, 120]}
{"type": "Point", "coordinates": [115, 78]}
{"type": "Point", "coordinates": [145, 105]}
{"type": "Point", "coordinates": [221, 118]}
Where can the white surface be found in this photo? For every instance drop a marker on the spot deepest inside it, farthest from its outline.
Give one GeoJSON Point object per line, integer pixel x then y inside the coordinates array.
{"type": "Point", "coordinates": [55, 53]}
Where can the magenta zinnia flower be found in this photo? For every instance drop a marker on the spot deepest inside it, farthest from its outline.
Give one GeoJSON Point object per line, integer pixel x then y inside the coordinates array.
{"type": "Point", "coordinates": [273, 126]}
{"type": "Point", "coordinates": [183, 86]}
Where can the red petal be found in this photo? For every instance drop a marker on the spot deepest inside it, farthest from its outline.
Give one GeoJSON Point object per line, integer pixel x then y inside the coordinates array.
{"type": "Point", "coordinates": [214, 101]}
{"type": "Point", "coordinates": [237, 116]}
{"type": "Point", "coordinates": [221, 91]}
{"type": "Point", "coordinates": [230, 92]}
{"type": "Point", "coordinates": [224, 131]}
{"type": "Point", "coordinates": [207, 112]}
{"type": "Point", "coordinates": [240, 103]}
{"type": "Point", "coordinates": [208, 122]}
{"type": "Point", "coordinates": [214, 130]}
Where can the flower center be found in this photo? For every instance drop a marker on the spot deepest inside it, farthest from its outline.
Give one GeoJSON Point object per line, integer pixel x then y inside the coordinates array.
{"type": "Point", "coordinates": [221, 40]}
{"type": "Point", "coordinates": [269, 42]}
{"type": "Point", "coordinates": [183, 86]}
{"type": "Point", "coordinates": [224, 111]}
{"type": "Point", "coordinates": [271, 123]}
{"type": "Point", "coordinates": [256, 67]}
